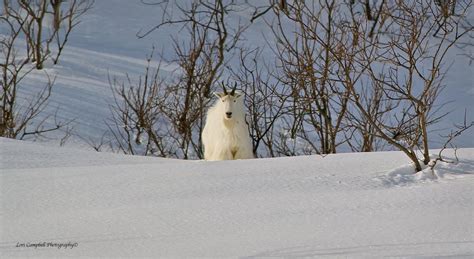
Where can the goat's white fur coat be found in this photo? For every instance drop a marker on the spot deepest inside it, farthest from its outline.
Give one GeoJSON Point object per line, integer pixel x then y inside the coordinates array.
{"type": "Point", "coordinates": [226, 138]}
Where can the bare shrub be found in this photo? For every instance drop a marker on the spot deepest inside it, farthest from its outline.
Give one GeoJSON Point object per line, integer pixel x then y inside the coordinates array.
{"type": "Point", "coordinates": [19, 118]}
{"type": "Point", "coordinates": [265, 101]}
{"type": "Point", "coordinates": [306, 34]}
{"type": "Point", "coordinates": [137, 123]}
{"type": "Point", "coordinates": [408, 65]}
{"type": "Point", "coordinates": [45, 21]}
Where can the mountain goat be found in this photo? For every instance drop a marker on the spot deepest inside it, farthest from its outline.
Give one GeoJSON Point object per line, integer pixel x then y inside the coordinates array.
{"type": "Point", "coordinates": [225, 135]}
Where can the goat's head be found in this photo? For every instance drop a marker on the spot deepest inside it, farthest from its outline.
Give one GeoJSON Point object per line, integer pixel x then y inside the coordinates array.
{"type": "Point", "coordinates": [231, 102]}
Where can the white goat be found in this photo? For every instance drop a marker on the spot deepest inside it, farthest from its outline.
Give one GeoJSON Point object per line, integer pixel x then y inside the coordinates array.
{"type": "Point", "coordinates": [225, 135]}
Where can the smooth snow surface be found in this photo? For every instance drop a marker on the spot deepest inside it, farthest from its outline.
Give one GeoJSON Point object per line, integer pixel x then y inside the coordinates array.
{"type": "Point", "coordinates": [346, 205]}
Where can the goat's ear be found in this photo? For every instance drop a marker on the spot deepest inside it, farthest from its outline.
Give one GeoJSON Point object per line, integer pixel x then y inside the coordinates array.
{"type": "Point", "coordinates": [220, 95]}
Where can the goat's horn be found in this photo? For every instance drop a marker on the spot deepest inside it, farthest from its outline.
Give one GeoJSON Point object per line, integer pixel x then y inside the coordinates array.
{"type": "Point", "coordinates": [223, 87]}
{"type": "Point", "coordinates": [233, 90]}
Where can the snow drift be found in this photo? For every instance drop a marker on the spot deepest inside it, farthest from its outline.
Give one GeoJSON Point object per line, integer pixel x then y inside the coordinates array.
{"type": "Point", "coordinates": [347, 205]}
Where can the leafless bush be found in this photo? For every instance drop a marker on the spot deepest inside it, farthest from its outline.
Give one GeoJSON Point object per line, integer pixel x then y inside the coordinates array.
{"type": "Point", "coordinates": [137, 124]}
{"type": "Point", "coordinates": [45, 21]}
{"type": "Point", "coordinates": [362, 133]}
{"type": "Point", "coordinates": [19, 118]}
{"type": "Point", "coordinates": [457, 131]}
{"type": "Point", "coordinates": [306, 35]}
{"type": "Point", "coordinates": [265, 101]}
{"type": "Point", "coordinates": [371, 73]}
{"type": "Point", "coordinates": [408, 64]}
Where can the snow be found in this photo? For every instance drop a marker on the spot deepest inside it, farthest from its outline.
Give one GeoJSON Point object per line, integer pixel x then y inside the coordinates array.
{"type": "Point", "coordinates": [343, 205]}
{"type": "Point", "coordinates": [110, 205]}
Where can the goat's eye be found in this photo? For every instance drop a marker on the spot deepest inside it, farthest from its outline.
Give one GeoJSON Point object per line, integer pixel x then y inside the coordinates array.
{"type": "Point", "coordinates": [234, 101]}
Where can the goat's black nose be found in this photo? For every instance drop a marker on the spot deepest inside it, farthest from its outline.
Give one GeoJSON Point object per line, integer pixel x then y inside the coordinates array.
{"type": "Point", "coordinates": [228, 114]}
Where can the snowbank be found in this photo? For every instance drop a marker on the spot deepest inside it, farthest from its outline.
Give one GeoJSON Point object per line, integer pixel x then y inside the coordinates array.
{"type": "Point", "coordinates": [59, 202]}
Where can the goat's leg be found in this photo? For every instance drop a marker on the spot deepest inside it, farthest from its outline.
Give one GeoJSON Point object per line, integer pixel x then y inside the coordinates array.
{"type": "Point", "coordinates": [208, 151]}
{"type": "Point", "coordinates": [222, 155]}
{"type": "Point", "coordinates": [243, 154]}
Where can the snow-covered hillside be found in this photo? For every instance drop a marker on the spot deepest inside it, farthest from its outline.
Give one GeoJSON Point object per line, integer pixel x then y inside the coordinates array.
{"type": "Point", "coordinates": [111, 205]}
{"type": "Point", "coordinates": [345, 205]}
{"type": "Point", "coordinates": [105, 44]}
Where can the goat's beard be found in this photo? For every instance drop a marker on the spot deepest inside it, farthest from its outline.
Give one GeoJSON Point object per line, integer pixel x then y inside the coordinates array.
{"type": "Point", "coordinates": [228, 122]}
